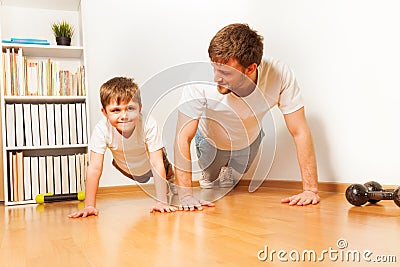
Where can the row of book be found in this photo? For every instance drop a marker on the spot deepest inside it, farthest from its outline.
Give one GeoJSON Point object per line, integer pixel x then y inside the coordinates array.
{"type": "Point", "coordinates": [46, 124]}
{"type": "Point", "coordinates": [30, 176]}
{"type": "Point", "coordinates": [23, 76]}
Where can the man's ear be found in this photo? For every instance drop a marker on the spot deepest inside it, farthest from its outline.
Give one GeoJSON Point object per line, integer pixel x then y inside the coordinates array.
{"type": "Point", "coordinates": [251, 69]}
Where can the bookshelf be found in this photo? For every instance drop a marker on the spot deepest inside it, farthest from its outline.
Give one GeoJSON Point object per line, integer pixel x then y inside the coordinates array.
{"type": "Point", "coordinates": [44, 104]}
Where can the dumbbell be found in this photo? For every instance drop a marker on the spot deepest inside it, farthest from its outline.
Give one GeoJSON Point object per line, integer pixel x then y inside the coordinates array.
{"type": "Point", "coordinates": [359, 194]}
{"type": "Point", "coordinates": [50, 197]}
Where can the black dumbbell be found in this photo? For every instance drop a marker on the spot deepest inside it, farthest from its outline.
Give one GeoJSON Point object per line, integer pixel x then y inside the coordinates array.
{"type": "Point", "coordinates": [359, 194]}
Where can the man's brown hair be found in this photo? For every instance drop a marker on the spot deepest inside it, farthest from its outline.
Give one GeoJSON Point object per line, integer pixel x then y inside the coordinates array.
{"type": "Point", "coordinates": [236, 41]}
{"type": "Point", "coordinates": [121, 90]}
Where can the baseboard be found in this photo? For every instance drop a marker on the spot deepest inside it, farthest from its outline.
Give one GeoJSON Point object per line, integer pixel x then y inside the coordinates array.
{"type": "Point", "coordinates": [332, 187]}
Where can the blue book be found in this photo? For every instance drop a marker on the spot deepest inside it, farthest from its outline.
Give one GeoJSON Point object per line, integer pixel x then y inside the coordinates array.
{"type": "Point", "coordinates": [26, 41]}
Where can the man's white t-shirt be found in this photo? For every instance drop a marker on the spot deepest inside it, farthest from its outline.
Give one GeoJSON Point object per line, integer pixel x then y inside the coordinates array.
{"type": "Point", "coordinates": [231, 122]}
{"type": "Point", "coordinates": [129, 153]}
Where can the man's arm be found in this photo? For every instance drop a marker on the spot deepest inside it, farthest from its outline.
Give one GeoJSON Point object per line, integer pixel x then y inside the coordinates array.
{"type": "Point", "coordinates": [185, 131]}
{"type": "Point", "coordinates": [297, 125]}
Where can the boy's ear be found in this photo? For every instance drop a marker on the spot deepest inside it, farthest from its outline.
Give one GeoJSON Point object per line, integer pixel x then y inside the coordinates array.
{"type": "Point", "coordinates": [140, 108]}
{"type": "Point", "coordinates": [104, 112]}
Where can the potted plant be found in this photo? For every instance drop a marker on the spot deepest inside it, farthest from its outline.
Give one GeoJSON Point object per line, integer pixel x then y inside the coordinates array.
{"type": "Point", "coordinates": [63, 31]}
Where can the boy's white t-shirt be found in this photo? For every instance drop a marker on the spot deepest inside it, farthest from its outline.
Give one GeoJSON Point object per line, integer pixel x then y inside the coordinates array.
{"type": "Point", "coordinates": [231, 122]}
{"type": "Point", "coordinates": [129, 153]}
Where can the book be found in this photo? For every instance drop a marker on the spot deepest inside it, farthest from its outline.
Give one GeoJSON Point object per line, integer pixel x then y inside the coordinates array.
{"type": "Point", "coordinates": [26, 41]}
{"type": "Point", "coordinates": [14, 176]}
{"type": "Point", "coordinates": [27, 179]}
{"type": "Point", "coordinates": [20, 175]}
{"type": "Point", "coordinates": [35, 176]}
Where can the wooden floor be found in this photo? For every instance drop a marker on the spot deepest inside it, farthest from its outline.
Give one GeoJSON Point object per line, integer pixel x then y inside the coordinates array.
{"type": "Point", "coordinates": [234, 233]}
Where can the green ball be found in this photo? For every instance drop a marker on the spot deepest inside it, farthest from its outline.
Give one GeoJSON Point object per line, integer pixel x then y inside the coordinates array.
{"type": "Point", "coordinates": [81, 195]}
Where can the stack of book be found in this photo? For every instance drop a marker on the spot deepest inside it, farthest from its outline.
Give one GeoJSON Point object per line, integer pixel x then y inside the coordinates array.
{"type": "Point", "coordinates": [27, 41]}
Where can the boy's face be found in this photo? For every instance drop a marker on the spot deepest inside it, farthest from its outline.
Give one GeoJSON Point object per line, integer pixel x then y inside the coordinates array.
{"type": "Point", "coordinates": [123, 116]}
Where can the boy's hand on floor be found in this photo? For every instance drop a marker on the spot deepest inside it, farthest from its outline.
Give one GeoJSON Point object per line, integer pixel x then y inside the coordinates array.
{"type": "Point", "coordinates": [163, 208]}
{"type": "Point", "coordinates": [90, 210]}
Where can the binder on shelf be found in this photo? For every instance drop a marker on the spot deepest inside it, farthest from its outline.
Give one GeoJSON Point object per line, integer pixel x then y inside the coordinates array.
{"type": "Point", "coordinates": [50, 174]}
{"type": "Point", "coordinates": [35, 125]}
{"type": "Point", "coordinates": [27, 179]}
{"type": "Point", "coordinates": [43, 125]}
{"type": "Point", "coordinates": [72, 174]}
{"type": "Point", "coordinates": [19, 125]}
{"type": "Point", "coordinates": [79, 185]}
{"type": "Point", "coordinates": [57, 174]}
{"type": "Point", "coordinates": [20, 175]}
{"type": "Point", "coordinates": [14, 179]}
{"type": "Point", "coordinates": [10, 125]}
{"type": "Point", "coordinates": [79, 129]}
{"type": "Point", "coordinates": [72, 123]}
{"type": "Point", "coordinates": [84, 124]}
{"type": "Point", "coordinates": [64, 175]}
{"type": "Point", "coordinates": [58, 124]}
{"type": "Point", "coordinates": [42, 175]}
{"type": "Point", "coordinates": [10, 189]}
{"type": "Point", "coordinates": [50, 124]}
{"type": "Point", "coordinates": [35, 176]}
{"type": "Point", "coordinates": [65, 124]}
{"type": "Point", "coordinates": [27, 124]}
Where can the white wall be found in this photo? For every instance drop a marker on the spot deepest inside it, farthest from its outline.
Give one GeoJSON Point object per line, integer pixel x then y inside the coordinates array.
{"type": "Point", "coordinates": [344, 53]}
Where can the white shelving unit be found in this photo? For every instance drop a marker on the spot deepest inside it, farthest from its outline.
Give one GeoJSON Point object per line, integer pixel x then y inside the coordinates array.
{"type": "Point", "coordinates": [39, 15]}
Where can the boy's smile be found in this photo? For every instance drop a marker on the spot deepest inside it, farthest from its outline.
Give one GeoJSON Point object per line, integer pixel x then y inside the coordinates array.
{"type": "Point", "coordinates": [123, 116]}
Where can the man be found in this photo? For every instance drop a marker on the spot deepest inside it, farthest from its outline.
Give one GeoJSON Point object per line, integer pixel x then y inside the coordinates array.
{"type": "Point", "coordinates": [226, 120]}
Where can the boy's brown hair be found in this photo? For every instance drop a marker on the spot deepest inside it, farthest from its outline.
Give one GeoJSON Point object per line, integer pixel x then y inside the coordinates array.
{"type": "Point", "coordinates": [121, 90]}
{"type": "Point", "coordinates": [236, 41]}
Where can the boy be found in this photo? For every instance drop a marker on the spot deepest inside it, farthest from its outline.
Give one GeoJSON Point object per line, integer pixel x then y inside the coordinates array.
{"type": "Point", "coordinates": [136, 145]}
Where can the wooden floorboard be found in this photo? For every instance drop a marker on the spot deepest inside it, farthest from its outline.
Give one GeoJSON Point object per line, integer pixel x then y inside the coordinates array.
{"type": "Point", "coordinates": [229, 234]}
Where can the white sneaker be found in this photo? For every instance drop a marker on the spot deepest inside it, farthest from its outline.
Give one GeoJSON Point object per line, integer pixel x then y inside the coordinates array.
{"type": "Point", "coordinates": [205, 183]}
{"type": "Point", "coordinates": [225, 177]}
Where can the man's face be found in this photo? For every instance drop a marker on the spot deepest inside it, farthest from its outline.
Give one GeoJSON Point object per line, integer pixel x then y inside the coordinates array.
{"type": "Point", "coordinates": [229, 76]}
{"type": "Point", "coordinates": [123, 116]}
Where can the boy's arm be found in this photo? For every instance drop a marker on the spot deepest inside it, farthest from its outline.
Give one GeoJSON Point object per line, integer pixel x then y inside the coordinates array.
{"type": "Point", "coordinates": [160, 182]}
{"type": "Point", "coordinates": [93, 174]}
{"type": "Point", "coordinates": [158, 169]}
